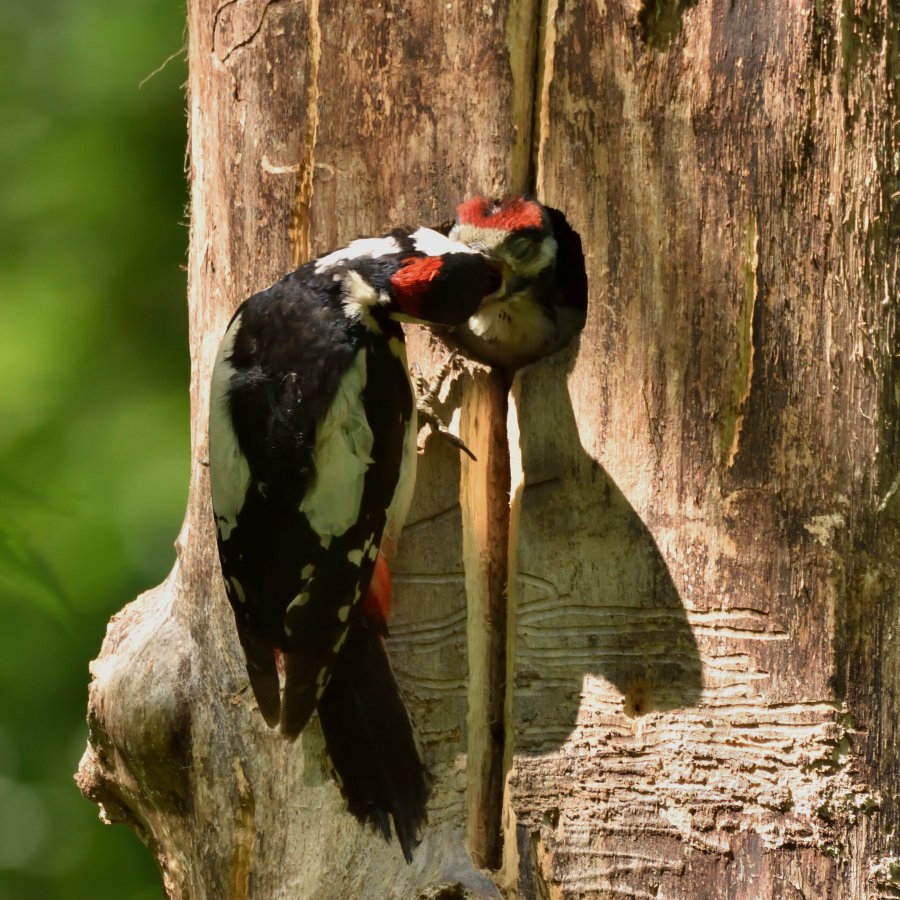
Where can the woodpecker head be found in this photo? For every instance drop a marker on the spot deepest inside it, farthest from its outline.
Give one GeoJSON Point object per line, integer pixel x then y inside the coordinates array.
{"type": "Point", "coordinates": [516, 233]}
{"type": "Point", "coordinates": [446, 285]}
{"type": "Point", "coordinates": [541, 304]}
{"type": "Point", "coordinates": [409, 275]}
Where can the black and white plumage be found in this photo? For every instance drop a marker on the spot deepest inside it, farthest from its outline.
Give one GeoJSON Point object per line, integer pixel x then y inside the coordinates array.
{"type": "Point", "coordinates": [312, 464]}
{"type": "Point", "coordinates": [542, 303]}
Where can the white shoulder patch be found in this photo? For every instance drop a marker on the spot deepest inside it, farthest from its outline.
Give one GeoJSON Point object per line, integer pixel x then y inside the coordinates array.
{"type": "Point", "coordinates": [343, 455]}
{"type": "Point", "coordinates": [356, 250]}
{"type": "Point", "coordinates": [229, 473]}
{"type": "Point", "coordinates": [433, 243]}
{"type": "Point", "coordinates": [359, 298]}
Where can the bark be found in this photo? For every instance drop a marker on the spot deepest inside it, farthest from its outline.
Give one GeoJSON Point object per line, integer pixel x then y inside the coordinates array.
{"type": "Point", "coordinates": [688, 686]}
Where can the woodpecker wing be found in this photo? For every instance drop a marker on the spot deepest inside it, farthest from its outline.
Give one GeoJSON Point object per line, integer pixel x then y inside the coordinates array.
{"type": "Point", "coordinates": [310, 409]}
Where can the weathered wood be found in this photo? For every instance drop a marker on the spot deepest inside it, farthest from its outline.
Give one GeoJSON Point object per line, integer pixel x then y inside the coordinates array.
{"type": "Point", "coordinates": [700, 665]}
{"type": "Point", "coordinates": [707, 590]}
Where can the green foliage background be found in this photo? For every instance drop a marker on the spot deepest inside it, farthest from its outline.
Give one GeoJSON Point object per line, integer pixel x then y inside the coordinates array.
{"type": "Point", "coordinates": [93, 405]}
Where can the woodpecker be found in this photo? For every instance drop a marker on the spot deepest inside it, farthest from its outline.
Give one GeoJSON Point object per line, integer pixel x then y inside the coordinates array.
{"type": "Point", "coordinates": [312, 451]}
{"type": "Point", "coordinates": [542, 303]}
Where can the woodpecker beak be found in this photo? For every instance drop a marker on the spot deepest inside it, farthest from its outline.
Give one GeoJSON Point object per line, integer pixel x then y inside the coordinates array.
{"type": "Point", "coordinates": [501, 272]}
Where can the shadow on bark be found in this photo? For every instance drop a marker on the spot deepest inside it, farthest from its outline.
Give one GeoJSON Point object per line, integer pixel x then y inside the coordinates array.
{"type": "Point", "coordinates": [595, 595]}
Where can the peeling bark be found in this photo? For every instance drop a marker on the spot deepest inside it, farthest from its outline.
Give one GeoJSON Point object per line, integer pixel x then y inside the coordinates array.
{"type": "Point", "coordinates": [650, 639]}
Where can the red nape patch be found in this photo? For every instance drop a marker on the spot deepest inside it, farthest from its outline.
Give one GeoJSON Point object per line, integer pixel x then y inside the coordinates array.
{"type": "Point", "coordinates": [377, 602]}
{"type": "Point", "coordinates": [413, 281]}
{"type": "Point", "coordinates": [509, 214]}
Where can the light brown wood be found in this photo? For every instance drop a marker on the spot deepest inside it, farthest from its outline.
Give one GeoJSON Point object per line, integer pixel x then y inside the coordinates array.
{"type": "Point", "coordinates": [699, 667]}
{"type": "Point", "coordinates": [705, 674]}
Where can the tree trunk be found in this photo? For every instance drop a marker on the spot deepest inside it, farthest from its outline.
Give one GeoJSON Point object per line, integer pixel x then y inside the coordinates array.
{"type": "Point", "coordinates": [690, 684]}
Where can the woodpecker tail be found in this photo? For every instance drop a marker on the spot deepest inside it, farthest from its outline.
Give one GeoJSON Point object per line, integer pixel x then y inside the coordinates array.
{"type": "Point", "coordinates": [370, 740]}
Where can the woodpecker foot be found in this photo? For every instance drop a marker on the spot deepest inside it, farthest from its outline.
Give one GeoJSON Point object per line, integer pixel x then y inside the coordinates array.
{"type": "Point", "coordinates": [426, 399]}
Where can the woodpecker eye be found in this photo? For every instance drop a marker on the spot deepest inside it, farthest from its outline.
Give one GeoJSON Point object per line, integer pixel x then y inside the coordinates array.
{"type": "Point", "coordinates": [522, 249]}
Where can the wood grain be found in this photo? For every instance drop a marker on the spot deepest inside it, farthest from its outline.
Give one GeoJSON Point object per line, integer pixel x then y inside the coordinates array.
{"type": "Point", "coordinates": [698, 673]}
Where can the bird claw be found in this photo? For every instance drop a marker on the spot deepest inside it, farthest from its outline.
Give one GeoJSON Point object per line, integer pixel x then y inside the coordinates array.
{"type": "Point", "coordinates": [426, 399]}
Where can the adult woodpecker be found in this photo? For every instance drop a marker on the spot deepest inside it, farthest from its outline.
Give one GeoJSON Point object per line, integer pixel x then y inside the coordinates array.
{"type": "Point", "coordinates": [542, 303]}
{"type": "Point", "coordinates": [312, 448]}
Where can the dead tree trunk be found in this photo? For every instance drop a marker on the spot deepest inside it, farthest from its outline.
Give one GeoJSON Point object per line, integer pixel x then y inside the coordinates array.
{"type": "Point", "coordinates": [689, 684]}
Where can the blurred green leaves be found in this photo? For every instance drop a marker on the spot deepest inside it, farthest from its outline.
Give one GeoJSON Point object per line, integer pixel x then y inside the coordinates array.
{"type": "Point", "coordinates": [93, 408]}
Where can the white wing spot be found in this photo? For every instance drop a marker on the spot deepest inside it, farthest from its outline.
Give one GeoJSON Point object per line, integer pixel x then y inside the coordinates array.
{"type": "Point", "coordinates": [373, 551]}
{"type": "Point", "coordinates": [343, 613]}
{"type": "Point", "coordinates": [343, 454]}
{"type": "Point", "coordinates": [355, 557]}
{"type": "Point", "coordinates": [307, 571]}
{"type": "Point", "coordinates": [340, 641]}
{"type": "Point", "coordinates": [406, 482]}
{"type": "Point", "coordinates": [299, 601]}
{"type": "Point", "coordinates": [238, 589]}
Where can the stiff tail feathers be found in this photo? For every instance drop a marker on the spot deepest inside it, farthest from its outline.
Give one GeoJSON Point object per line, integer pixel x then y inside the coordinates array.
{"type": "Point", "coordinates": [370, 740]}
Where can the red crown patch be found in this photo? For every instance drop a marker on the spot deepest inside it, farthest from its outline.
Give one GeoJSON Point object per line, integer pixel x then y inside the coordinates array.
{"type": "Point", "coordinates": [509, 214]}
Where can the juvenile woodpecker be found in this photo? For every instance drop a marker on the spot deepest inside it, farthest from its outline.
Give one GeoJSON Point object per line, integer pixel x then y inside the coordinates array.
{"type": "Point", "coordinates": [312, 448]}
{"type": "Point", "coordinates": [542, 303]}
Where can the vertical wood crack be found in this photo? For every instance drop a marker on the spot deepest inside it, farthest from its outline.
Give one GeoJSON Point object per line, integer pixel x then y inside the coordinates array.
{"type": "Point", "coordinates": [545, 32]}
{"type": "Point", "coordinates": [301, 244]}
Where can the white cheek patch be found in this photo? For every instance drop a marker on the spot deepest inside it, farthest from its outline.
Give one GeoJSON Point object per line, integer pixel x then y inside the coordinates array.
{"type": "Point", "coordinates": [519, 323]}
{"type": "Point", "coordinates": [358, 249]}
{"type": "Point", "coordinates": [229, 473]}
{"type": "Point", "coordinates": [359, 299]}
{"type": "Point", "coordinates": [433, 243]}
{"type": "Point", "coordinates": [343, 454]}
